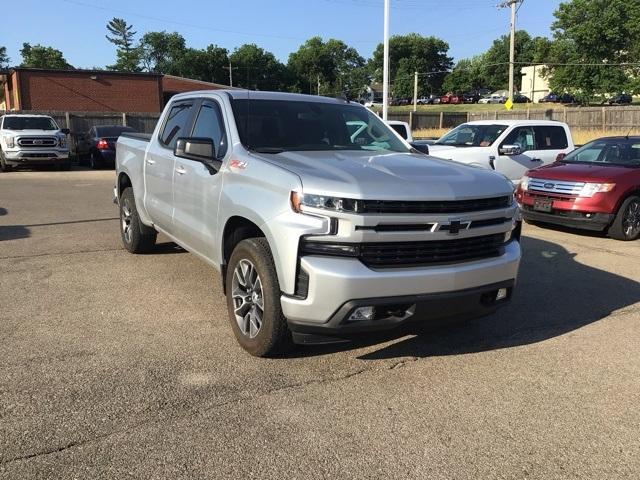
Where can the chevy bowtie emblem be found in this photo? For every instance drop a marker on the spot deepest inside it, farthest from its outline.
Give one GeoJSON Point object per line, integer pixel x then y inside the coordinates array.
{"type": "Point", "coordinates": [454, 226]}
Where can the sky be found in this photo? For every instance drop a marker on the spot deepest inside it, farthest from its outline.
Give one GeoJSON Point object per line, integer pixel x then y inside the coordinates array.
{"type": "Point", "coordinates": [77, 27]}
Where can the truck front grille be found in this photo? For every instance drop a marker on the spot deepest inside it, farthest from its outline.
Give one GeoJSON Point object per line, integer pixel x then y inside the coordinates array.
{"type": "Point", "coordinates": [411, 254]}
{"type": "Point", "coordinates": [37, 142]}
{"type": "Point", "coordinates": [433, 207]}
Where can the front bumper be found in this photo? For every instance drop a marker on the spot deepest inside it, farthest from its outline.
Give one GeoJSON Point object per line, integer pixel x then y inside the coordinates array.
{"type": "Point", "coordinates": [35, 157]}
{"type": "Point", "coordinates": [569, 218]}
{"type": "Point", "coordinates": [337, 285]}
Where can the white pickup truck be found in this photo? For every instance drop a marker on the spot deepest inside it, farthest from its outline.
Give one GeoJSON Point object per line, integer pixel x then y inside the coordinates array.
{"type": "Point", "coordinates": [511, 147]}
{"type": "Point", "coordinates": [323, 222]}
{"type": "Point", "coordinates": [27, 139]}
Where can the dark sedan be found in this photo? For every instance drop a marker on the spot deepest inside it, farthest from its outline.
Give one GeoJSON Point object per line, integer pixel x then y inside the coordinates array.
{"type": "Point", "coordinates": [102, 144]}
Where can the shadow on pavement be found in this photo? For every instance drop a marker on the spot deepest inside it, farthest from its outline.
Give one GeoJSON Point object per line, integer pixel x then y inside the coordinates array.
{"type": "Point", "coordinates": [555, 295]}
{"type": "Point", "coordinates": [14, 232]}
{"type": "Point", "coordinates": [3, 211]}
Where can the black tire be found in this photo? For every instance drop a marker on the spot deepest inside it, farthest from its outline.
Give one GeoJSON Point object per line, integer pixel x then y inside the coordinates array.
{"type": "Point", "coordinates": [626, 225]}
{"type": "Point", "coordinates": [3, 164]}
{"type": "Point", "coordinates": [136, 236]}
{"type": "Point", "coordinates": [272, 336]}
{"type": "Point", "coordinates": [95, 161]}
{"type": "Point", "coordinates": [66, 166]}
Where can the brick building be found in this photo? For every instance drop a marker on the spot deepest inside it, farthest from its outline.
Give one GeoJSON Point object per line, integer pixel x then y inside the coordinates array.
{"type": "Point", "coordinates": [91, 90]}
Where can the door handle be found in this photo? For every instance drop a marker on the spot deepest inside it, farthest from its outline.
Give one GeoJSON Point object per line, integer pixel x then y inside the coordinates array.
{"type": "Point", "coordinates": [180, 170]}
{"type": "Point", "coordinates": [150, 161]}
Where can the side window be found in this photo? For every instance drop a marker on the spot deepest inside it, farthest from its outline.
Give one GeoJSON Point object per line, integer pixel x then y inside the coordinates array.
{"type": "Point", "coordinates": [175, 124]}
{"type": "Point", "coordinates": [209, 124]}
{"type": "Point", "coordinates": [551, 138]}
{"type": "Point", "coordinates": [401, 129]}
{"type": "Point", "coordinates": [522, 136]}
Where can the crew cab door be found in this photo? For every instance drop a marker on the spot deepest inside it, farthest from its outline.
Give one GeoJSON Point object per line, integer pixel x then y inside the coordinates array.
{"type": "Point", "coordinates": [160, 164]}
{"type": "Point", "coordinates": [196, 185]}
{"type": "Point", "coordinates": [515, 166]}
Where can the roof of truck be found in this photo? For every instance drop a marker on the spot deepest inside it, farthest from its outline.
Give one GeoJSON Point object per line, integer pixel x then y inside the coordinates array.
{"type": "Point", "coordinates": [24, 115]}
{"type": "Point", "coordinates": [260, 95]}
{"type": "Point", "coordinates": [514, 122]}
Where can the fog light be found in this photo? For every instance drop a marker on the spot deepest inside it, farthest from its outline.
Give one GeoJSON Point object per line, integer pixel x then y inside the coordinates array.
{"type": "Point", "coordinates": [362, 314]}
{"type": "Point", "coordinates": [502, 294]}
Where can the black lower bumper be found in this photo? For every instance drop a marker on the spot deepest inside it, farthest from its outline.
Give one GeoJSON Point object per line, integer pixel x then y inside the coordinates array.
{"type": "Point", "coordinates": [585, 221]}
{"type": "Point", "coordinates": [394, 312]}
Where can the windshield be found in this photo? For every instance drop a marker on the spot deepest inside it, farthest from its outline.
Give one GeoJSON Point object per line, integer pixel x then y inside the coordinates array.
{"type": "Point", "coordinates": [466, 135]}
{"type": "Point", "coordinates": [29, 123]}
{"type": "Point", "coordinates": [615, 151]}
{"type": "Point", "coordinates": [273, 126]}
{"type": "Point", "coordinates": [114, 131]}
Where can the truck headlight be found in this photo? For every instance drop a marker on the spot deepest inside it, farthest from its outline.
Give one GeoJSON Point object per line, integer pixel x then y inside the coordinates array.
{"type": "Point", "coordinates": [524, 183]}
{"type": "Point", "coordinates": [10, 141]}
{"type": "Point", "coordinates": [323, 202]}
{"type": "Point", "coordinates": [590, 189]}
{"type": "Point", "coordinates": [62, 141]}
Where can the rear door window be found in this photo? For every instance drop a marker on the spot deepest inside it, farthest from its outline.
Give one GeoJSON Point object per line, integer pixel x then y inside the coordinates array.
{"type": "Point", "coordinates": [176, 124]}
{"type": "Point", "coordinates": [551, 138]}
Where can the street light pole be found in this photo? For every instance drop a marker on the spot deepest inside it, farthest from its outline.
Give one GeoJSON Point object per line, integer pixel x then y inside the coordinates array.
{"type": "Point", "coordinates": [385, 63]}
{"type": "Point", "coordinates": [512, 42]}
{"type": "Point", "coordinates": [415, 91]}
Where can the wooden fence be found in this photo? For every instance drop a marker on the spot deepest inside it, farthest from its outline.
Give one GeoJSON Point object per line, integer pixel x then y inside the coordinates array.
{"type": "Point", "coordinates": [620, 119]}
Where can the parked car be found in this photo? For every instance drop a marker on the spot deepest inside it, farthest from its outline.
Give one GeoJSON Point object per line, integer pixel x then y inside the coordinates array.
{"type": "Point", "coordinates": [402, 128]}
{"type": "Point", "coordinates": [596, 187]}
{"type": "Point", "coordinates": [471, 97]}
{"type": "Point", "coordinates": [427, 100]}
{"type": "Point", "coordinates": [494, 98]}
{"type": "Point", "coordinates": [510, 147]}
{"type": "Point", "coordinates": [27, 139]}
{"type": "Point", "coordinates": [317, 233]}
{"type": "Point", "coordinates": [102, 144]}
{"type": "Point", "coordinates": [558, 98]}
{"type": "Point", "coordinates": [519, 98]}
{"type": "Point", "coordinates": [620, 99]}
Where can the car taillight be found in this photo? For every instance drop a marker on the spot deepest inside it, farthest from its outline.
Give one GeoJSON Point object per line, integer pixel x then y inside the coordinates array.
{"type": "Point", "coordinates": [102, 144]}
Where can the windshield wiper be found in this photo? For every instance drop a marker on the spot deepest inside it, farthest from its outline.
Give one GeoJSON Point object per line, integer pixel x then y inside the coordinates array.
{"type": "Point", "coordinates": [267, 150]}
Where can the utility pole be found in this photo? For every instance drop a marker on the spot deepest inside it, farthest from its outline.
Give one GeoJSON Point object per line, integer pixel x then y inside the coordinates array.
{"type": "Point", "coordinates": [512, 42]}
{"type": "Point", "coordinates": [385, 63]}
{"type": "Point", "coordinates": [231, 69]}
{"type": "Point", "coordinates": [415, 91]}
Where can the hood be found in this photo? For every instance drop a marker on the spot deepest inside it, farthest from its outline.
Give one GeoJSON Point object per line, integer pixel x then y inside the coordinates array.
{"type": "Point", "coordinates": [390, 176]}
{"type": "Point", "coordinates": [32, 133]}
{"type": "Point", "coordinates": [581, 172]}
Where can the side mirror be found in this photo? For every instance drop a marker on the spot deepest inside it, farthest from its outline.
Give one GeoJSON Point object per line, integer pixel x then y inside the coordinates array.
{"type": "Point", "coordinates": [66, 131]}
{"type": "Point", "coordinates": [195, 148]}
{"type": "Point", "coordinates": [510, 150]}
{"type": "Point", "coordinates": [421, 147]}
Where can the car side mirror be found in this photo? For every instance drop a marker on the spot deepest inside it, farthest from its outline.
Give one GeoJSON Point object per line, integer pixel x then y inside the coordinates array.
{"type": "Point", "coordinates": [510, 150]}
{"type": "Point", "coordinates": [66, 131]}
{"type": "Point", "coordinates": [421, 147]}
{"type": "Point", "coordinates": [198, 149]}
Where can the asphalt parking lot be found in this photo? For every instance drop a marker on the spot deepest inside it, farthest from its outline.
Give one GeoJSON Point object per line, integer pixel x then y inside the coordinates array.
{"type": "Point", "coordinates": [122, 366]}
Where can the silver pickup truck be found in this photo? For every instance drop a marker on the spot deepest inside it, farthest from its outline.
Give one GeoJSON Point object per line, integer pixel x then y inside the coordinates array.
{"type": "Point", "coordinates": [321, 229]}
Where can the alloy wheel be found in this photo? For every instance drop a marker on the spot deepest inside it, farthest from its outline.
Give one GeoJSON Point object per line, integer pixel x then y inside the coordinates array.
{"type": "Point", "coordinates": [248, 300]}
{"type": "Point", "coordinates": [631, 219]}
{"type": "Point", "coordinates": [125, 218]}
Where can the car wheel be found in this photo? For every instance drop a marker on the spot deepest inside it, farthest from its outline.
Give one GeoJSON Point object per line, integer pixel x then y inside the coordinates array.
{"type": "Point", "coordinates": [253, 300]}
{"type": "Point", "coordinates": [3, 164]}
{"type": "Point", "coordinates": [136, 236]}
{"type": "Point", "coordinates": [95, 161]}
{"type": "Point", "coordinates": [626, 225]}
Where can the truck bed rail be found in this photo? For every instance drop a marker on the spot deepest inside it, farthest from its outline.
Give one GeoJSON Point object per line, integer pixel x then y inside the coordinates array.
{"type": "Point", "coordinates": [145, 137]}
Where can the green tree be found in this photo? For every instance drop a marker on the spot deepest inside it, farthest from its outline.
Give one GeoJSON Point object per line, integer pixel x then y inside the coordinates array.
{"type": "Point", "coordinates": [122, 36]}
{"type": "Point", "coordinates": [466, 76]}
{"type": "Point", "coordinates": [413, 53]}
{"type": "Point", "coordinates": [597, 34]}
{"type": "Point", "coordinates": [337, 67]}
{"type": "Point", "coordinates": [4, 59]}
{"type": "Point", "coordinates": [162, 52]}
{"type": "Point", "coordinates": [207, 65]}
{"type": "Point", "coordinates": [257, 69]}
{"type": "Point", "coordinates": [39, 56]}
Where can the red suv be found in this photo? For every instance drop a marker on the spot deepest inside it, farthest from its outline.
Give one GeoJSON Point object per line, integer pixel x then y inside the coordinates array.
{"type": "Point", "coordinates": [595, 187]}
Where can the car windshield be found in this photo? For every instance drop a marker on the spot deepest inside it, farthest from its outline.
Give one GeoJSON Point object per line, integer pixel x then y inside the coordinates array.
{"type": "Point", "coordinates": [274, 126]}
{"type": "Point", "coordinates": [112, 131]}
{"type": "Point", "coordinates": [616, 151]}
{"type": "Point", "coordinates": [467, 135]}
{"type": "Point", "coordinates": [29, 123]}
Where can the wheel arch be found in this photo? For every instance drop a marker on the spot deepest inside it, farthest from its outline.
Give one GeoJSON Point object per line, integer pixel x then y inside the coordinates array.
{"type": "Point", "coordinates": [236, 229]}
